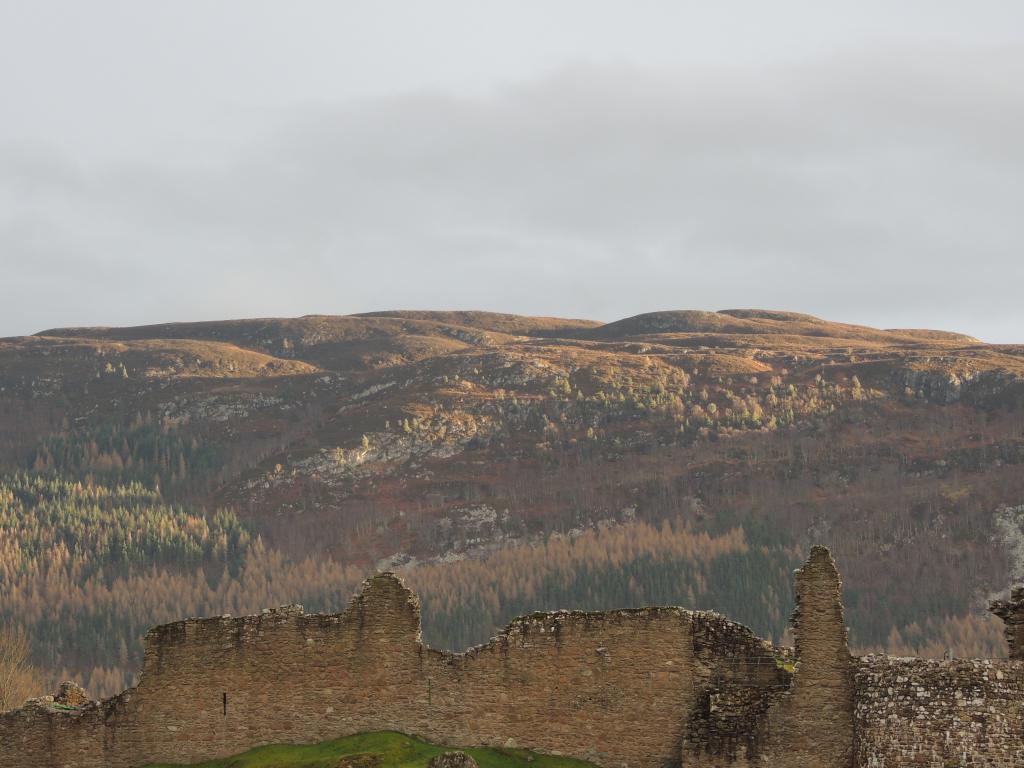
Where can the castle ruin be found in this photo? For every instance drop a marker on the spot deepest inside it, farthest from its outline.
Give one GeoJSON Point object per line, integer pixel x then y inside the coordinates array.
{"type": "Point", "coordinates": [649, 687]}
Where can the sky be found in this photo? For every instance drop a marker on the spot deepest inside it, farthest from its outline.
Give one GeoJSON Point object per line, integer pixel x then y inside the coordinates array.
{"type": "Point", "coordinates": [212, 159]}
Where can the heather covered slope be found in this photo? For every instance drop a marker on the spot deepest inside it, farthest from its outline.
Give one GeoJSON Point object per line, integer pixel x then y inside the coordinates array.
{"type": "Point", "coordinates": [509, 464]}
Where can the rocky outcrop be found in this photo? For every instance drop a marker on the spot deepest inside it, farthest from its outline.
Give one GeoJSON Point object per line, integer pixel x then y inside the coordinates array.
{"type": "Point", "coordinates": [947, 386]}
{"type": "Point", "coordinates": [452, 760]}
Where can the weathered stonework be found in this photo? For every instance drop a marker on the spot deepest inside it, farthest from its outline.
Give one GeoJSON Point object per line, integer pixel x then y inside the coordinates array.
{"type": "Point", "coordinates": [947, 714]}
{"type": "Point", "coordinates": [71, 695]}
{"type": "Point", "coordinates": [964, 712]}
{"type": "Point", "coordinates": [1012, 612]}
{"type": "Point", "coordinates": [651, 687]}
{"type": "Point", "coordinates": [813, 723]}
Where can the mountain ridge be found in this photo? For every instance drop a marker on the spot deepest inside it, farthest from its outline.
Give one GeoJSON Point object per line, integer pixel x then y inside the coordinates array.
{"type": "Point", "coordinates": [465, 447]}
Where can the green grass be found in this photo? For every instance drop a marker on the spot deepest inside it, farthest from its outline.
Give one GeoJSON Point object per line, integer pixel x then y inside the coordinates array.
{"type": "Point", "coordinates": [395, 750]}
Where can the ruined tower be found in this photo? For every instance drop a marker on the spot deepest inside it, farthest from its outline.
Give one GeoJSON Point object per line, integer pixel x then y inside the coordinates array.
{"type": "Point", "coordinates": [813, 724]}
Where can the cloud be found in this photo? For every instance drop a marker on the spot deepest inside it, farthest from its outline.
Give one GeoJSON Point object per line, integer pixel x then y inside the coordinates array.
{"type": "Point", "coordinates": [882, 186]}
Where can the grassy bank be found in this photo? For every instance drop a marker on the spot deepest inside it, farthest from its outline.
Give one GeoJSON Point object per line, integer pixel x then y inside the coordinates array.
{"type": "Point", "coordinates": [382, 749]}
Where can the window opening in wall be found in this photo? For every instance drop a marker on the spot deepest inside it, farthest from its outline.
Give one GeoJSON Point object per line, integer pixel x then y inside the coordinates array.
{"type": "Point", "coordinates": [225, 695]}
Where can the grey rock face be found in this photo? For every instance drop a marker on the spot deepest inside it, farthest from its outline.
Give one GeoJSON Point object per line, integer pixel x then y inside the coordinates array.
{"type": "Point", "coordinates": [452, 760]}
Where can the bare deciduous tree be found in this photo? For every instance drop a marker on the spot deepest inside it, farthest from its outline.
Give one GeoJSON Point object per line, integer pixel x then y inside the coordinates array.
{"type": "Point", "coordinates": [19, 680]}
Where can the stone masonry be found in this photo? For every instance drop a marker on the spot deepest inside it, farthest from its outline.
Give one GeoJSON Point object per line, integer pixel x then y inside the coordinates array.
{"type": "Point", "coordinates": [1012, 612]}
{"type": "Point", "coordinates": [651, 687]}
{"type": "Point", "coordinates": [948, 714]}
{"type": "Point", "coordinates": [813, 722]}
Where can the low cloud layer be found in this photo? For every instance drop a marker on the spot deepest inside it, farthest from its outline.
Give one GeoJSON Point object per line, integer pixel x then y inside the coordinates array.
{"type": "Point", "coordinates": [881, 186]}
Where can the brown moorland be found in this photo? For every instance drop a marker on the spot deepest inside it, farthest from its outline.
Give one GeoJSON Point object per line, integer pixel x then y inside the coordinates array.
{"type": "Point", "coordinates": [509, 464]}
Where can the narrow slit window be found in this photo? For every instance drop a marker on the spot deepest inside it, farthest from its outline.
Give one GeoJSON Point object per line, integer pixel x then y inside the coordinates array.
{"type": "Point", "coordinates": [225, 701]}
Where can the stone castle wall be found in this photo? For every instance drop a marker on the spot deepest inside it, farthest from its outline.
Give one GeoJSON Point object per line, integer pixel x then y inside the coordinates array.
{"type": "Point", "coordinates": [651, 687]}
{"type": "Point", "coordinates": [611, 687]}
{"type": "Point", "coordinates": [947, 714]}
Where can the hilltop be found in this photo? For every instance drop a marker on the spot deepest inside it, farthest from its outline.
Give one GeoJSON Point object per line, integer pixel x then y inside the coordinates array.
{"type": "Point", "coordinates": [510, 464]}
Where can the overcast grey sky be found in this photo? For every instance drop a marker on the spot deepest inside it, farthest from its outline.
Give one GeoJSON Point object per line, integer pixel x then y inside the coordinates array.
{"type": "Point", "coordinates": [862, 161]}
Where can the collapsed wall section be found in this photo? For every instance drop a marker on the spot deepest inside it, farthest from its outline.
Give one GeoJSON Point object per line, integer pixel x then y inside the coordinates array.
{"type": "Point", "coordinates": [1012, 613]}
{"type": "Point", "coordinates": [745, 677]}
{"type": "Point", "coordinates": [939, 714]}
{"type": "Point", "coordinates": [39, 735]}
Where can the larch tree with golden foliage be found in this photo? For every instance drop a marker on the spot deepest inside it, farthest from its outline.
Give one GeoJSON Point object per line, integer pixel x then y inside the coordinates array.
{"type": "Point", "coordinates": [19, 680]}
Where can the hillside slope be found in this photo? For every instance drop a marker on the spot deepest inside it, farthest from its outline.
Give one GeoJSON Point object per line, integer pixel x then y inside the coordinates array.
{"type": "Point", "coordinates": [509, 464]}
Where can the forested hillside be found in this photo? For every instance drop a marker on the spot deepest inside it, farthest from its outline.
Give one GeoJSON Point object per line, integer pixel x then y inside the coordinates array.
{"type": "Point", "coordinates": [504, 464]}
